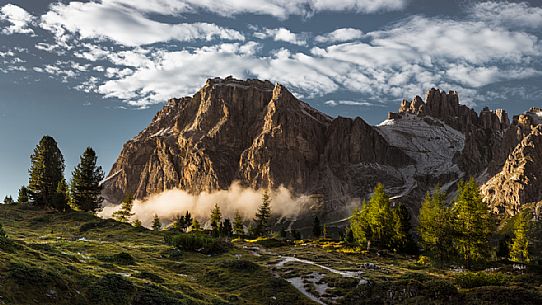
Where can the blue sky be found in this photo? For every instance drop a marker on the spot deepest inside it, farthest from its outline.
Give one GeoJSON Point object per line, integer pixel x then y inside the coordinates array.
{"type": "Point", "coordinates": [94, 73]}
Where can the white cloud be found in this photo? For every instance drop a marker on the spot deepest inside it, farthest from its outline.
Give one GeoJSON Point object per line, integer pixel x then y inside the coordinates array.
{"type": "Point", "coordinates": [17, 17]}
{"type": "Point", "coordinates": [277, 8]}
{"type": "Point", "coordinates": [124, 25]}
{"type": "Point", "coordinates": [282, 34]}
{"type": "Point", "coordinates": [339, 35]}
{"type": "Point", "coordinates": [508, 13]}
{"type": "Point", "coordinates": [334, 103]}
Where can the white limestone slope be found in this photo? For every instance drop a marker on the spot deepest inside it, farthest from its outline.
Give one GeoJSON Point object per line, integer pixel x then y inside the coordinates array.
{"type": "Point", "coordinates": [428, 141]}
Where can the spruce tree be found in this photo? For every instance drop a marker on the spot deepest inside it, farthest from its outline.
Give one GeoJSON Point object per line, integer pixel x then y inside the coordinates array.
{"type": "Point", "coordinates": [436, 226]}
{"type": "Point", "coordinates": [125, 212]}
{"type": "Point", "coordinates": [316, 228]}
{"type": "Point", "coordinates": [156, 224]}
{"type": "Point", "coordinates": [46, 171]}
{"type": "Point", "coordinates": [187, 220]}
{"type": "Point", "coordinates": [473, 224]}
{"type": "Point", "coordinates": [85, 184]}
{"type": "Point", "coordinates": [8, 200]}
{"type": "Point", "coordinates": [23, 195]}
{"type": "Point", "coordinates": [137, 223]}
{"type": "Point", "coordinates": [226, 229]}
{"type": "Point", "coordinates": [216, 220]}
{"type": "Point", "coordinates": [238, 228]}
{"type": "Point", "coordinates": [262, 216]}
{"type": "Point", "coordinates": [519, 251]}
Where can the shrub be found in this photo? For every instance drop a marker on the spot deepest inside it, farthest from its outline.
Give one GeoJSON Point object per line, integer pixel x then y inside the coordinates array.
{"type": "Point", "coordinates": [240, 265]}
{"type": "Point", "coordinates": [112, 289]}
{"type": "Point", "coordinates": [121, 258]}
{"type": "Point", "coordinates": [197, 243]}
{"type": "Point", "coordinates": [480, 279]}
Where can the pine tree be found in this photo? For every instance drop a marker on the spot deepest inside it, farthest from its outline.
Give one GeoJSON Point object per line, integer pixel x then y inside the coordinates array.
{"type": "Point", "coordinates": [436, 226]}
{"type": "Point", "coordinates": [156, 224]}
{"type": "Point", "coordinates": [125, 212]}
{"type": "Point", "coordinates": [262, 216]}
{"type": "Point", "coordinates": [46, 171]}
{"type": "Point", "coordinates": [473, 224]}
{"type": "Point", "coordinates": [519, 251]}
{"type": "Point", "coordinates": [85, 184]}
{"type": "Point", "coordinates": [216, 220]}
{"type": "Point", "coordinates": [137, 223]}
{"type": "Point", "coordinates": [195, 225]}
{"type": "Point", "coordinates": [316, 228]}
{"type": "Point", "coordinates": [23, 195]}
{"type": "Point", "coordinates": [238, 227]}
{"type": "Point", "coordinates": [226, 229]}
{"type": "Point", "coordinates": [61, 197]}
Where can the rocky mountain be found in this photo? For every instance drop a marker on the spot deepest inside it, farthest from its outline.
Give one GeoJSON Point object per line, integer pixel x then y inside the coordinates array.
{"type": "Point", "coordinates": [259, 134]}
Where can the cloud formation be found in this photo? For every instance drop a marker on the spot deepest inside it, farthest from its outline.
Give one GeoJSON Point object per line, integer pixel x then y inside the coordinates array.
{"type": "Point", "coordinates": [339, 35]}
{"type": "Point", "coordinates": [18, 19]}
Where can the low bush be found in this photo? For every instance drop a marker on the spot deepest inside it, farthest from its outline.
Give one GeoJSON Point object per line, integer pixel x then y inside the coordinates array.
{"type": "Point", "coordinates": [240, 265]}
{"type": "Point", "coordinates": [480, 279]}
{"type": "Point", "coordinates": [197, 243]}
{"type": "Point", "coordinates": [121, 258]}
{"type": "Point", "coordinates": [112, 289]}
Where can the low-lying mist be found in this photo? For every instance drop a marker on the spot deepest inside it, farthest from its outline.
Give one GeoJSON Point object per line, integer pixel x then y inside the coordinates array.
{"type": "Point", "coordinates": [237, 198]}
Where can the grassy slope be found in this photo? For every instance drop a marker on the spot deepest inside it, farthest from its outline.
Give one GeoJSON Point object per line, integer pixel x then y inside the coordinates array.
{"type": "Point", "coordinates": [49, 264]}
{"type": "Point", "coordinates": [70, 259]}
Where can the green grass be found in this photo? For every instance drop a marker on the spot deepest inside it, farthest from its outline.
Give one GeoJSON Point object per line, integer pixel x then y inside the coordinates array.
{"type": "Point", "coordinates": [76, 258]}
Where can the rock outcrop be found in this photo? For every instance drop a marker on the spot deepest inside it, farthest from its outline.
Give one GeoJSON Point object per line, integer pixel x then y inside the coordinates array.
{"type": "Point", "coordinates": [258, 134]}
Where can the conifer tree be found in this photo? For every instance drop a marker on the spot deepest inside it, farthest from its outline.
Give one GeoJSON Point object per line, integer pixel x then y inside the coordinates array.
{"type": "Point", "coordinates": [23, 195]}
{"type": "Point", "coordinates": [85, 184]}
{"type": "Point", "coordinates": [262, 216]}
{"type": "Point", "coordinates": [283, 233]}
{"type": "Point", "coordinates": [473, 224]}
{"type": "Point", "coordinates": [8, 200]}
{"type": "Point", "coordinates": [125, 212]}
{"type": "Point", "coordinates": [187, 220]}
{"type": "Point", "coordinates": [226, 229]}
{"type": "Point", "coordinates": [156, 224]}
{"type": "Point", "coordinates": [195, 225]}
{"type": "Point", "coordinates": [61, 197]}
{"type": "Point", "coordinates": [519, 251]}
{"type": "Point", "coordinates": [316, 228]}
{"type": "Point", "coordinates": [238, 228]}
{"type": "Point", "coordinates": [216, 220]}
{"type": "Point", "coordinates": [137, 223]}
{"type": "Point", "coordinates": [46, 171]}
{"type": "Point", "coordinates": [436, 226]}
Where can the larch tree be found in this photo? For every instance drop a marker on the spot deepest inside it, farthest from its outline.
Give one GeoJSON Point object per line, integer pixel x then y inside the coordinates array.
{"type": "Point", "coordinates": [156, 224]}
{"type": "Point", "coordinates": [125, 212]}
{"type": "Point", "coordinates": [473, 224]}
{"type": "Point", "coordinates": [519, 250]}
{"type": "Point", "coordinates": [435, 226]}
{"type": "Point", "coordinates": [85, 185]}
{"type": "Point", "coordinates": [216, 220]}
{"type": "Point", "coordinates": [46, 171]}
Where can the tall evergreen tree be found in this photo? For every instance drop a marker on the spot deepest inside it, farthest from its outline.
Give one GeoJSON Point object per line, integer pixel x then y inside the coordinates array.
{"type": "Point", "coordinates": [23, 195]}
{"type": "Point", "coordinates": [188, 220]}
{"type": "Point", "coordinates": [85, 184]}
{"type": "Point", "coordinates": [473, 224]}
{"type": "Point", "coordinates": [46, 171]}
{"type": "Point", "coordinates": [519, 250]}
{"type": "Point", "coordinates": [216, 220]}
{"type": "Point", "coordinates": [125, 212]}
{"type": "Point", "coordinates": [156, 224]}
{"type": "Point", "coordinates": [316, 227]}
{"type": "Point", "coordinates": [238, 227]}
{"type": "Point", "coordinates": [436, 226]}
{"type": "Point", "coordinates": [262, 216]}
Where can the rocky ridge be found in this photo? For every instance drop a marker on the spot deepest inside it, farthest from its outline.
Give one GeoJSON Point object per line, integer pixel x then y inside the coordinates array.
{"type": "Point", "coordinates": [259, 134]}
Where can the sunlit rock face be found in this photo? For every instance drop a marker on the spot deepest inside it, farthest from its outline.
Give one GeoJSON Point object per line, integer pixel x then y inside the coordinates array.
{"type": "Point", "coordinates": [261, 135]}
